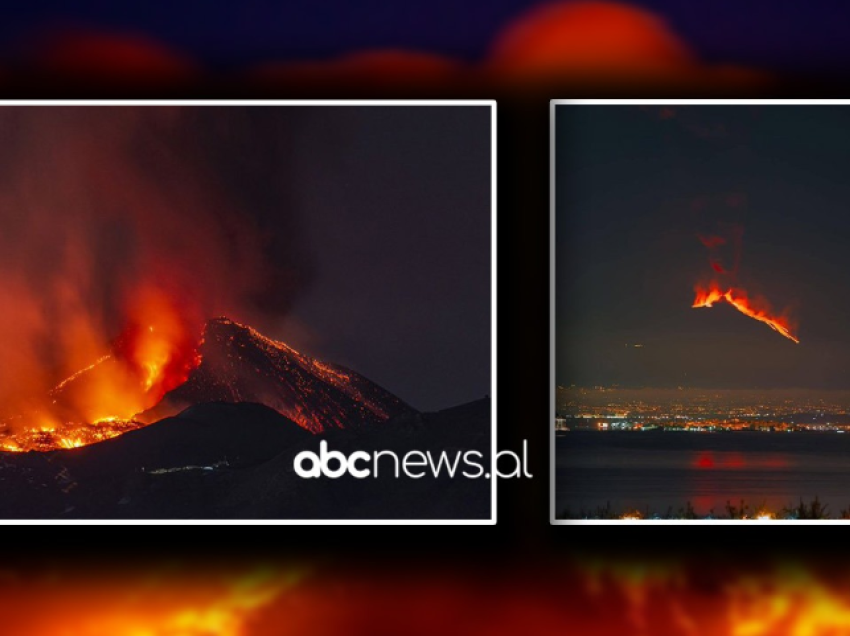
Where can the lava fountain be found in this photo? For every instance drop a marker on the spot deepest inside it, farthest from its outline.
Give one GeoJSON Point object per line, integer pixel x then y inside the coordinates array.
{"type": "Point", "coordinates": [124, 230]}
{"type": "Point", "coordinates": [154, 354]}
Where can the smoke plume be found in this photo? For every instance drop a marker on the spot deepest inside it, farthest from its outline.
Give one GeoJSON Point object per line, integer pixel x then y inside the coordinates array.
{"type": "Point", "coordinates": [122, 230]}
{"type": "Point", "coordinates": [723, 240]}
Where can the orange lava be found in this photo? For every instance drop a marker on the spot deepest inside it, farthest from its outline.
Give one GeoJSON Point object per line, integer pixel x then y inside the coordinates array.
{"type": "Point", "coordinates": [154, 354]}
{"type": "Point", "coordinates": [161, 344]}
{"type": "Point", "coordinates": [756, 309]}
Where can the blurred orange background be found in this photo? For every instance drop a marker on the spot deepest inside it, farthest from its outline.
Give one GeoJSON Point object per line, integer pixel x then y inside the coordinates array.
{"type": "Point", "coordinates": [569, 596]}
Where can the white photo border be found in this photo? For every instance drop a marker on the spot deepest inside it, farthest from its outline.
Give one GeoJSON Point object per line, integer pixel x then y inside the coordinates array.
{"type": "Point", "coordinates": [553, 104]}
{"type": "Point", "coordinates": [491, 104]}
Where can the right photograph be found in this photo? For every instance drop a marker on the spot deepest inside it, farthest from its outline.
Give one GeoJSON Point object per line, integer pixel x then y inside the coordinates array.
{"type": "Point", "coordinates": [700, 311]}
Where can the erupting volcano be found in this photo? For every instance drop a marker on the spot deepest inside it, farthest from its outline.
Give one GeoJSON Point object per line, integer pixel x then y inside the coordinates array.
{"type": "Point", "coordinates": [129, 231]}
{"type": "Point", "coordinates": [152, 355]}
{"type": "Point", "coordinates": [238, 364]}
{"type": "Point", "coordinates": [724, 251]}
{"type": "Point", "coordinates": [758, 309]}
{"type": "Point", "coordinates": [158, 369]}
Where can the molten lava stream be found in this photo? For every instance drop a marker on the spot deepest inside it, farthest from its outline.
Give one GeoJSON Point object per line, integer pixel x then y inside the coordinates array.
{"type": "Point", "coordinates": [739, 300]}
{"type": "Point", "coordinates": [154, 355]}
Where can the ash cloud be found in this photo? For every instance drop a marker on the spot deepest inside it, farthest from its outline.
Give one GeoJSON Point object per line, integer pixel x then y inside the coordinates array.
{"type": "Point", "coordinates": [720, 228]}
{"type": "Point", "coordinates": [103, 207]}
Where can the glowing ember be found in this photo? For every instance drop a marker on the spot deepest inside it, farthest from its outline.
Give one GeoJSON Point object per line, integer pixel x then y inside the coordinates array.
{"type": "Point", "coordinates": [67, 435]}
{"type": "Point", "coordinates": [759, 310]}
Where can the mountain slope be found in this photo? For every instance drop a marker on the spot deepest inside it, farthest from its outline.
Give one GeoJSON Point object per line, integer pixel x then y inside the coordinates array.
{"type": "Point", "coordinates": [238, 364]}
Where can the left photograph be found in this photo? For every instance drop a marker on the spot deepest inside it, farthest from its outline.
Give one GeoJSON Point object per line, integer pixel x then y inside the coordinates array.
{"type": "Point", "coordinates": [259, 312]}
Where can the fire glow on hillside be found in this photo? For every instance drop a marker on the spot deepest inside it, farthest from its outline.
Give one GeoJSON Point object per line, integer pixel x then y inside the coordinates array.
{"type": "Point", "coordinates": [119, 240]}
{"type": "Point", "coordinates": [156, 371]}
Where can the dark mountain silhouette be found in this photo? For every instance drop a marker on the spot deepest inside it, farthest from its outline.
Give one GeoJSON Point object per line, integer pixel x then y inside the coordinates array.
{"type": "Point", "coordinates": [235, 461]}
{"type": "Point", "coordinates": [222, 446]}
{"type": "Point", "coordinates": [238, 364]}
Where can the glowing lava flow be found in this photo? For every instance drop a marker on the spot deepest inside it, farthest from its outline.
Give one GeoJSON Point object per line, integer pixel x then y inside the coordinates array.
{"type": "Point", "coordinates": [155, 353]}
{"type": "Point", "coordinates": [706, 297]}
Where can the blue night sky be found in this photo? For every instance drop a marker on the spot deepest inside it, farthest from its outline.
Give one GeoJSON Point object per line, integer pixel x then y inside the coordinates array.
{"type": "Point", "coordinates": [787, 36]}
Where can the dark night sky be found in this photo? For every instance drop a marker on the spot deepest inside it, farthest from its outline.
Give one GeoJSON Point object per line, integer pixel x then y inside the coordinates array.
{"type": "Point", "coordinates": [628, 255]}
{"type": "Point", "coordinates": [784, 36]}
{"type": "Point", "coordinates": [395, 209]}
{"type": "Point", "coordinates": [359, 235]}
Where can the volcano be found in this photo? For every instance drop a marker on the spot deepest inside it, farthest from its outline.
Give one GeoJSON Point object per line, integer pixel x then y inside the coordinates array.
{"type": "Point", "coordinates": [223, 442]}
{"type": "Point", "coordinates": [238, 364]}
{"type": "Point", "coordinates": [234, 363]}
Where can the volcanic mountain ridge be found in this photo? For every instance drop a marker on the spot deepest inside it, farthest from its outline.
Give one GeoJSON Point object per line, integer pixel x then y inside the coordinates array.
{"type": "Point", "coordinates": [237, 364]}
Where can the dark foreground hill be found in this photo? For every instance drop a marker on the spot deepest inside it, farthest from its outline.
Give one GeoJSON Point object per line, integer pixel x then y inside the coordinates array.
{"type": "Point", "coordinates": [235, 461]}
